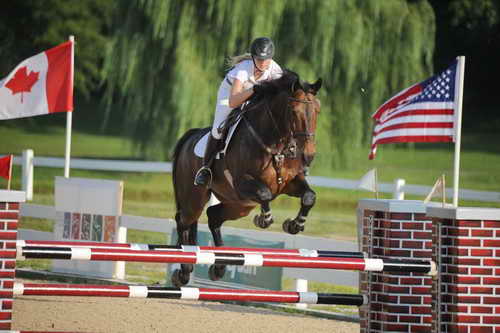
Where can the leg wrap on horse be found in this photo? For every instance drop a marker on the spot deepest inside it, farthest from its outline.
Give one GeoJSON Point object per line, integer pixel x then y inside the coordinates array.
{"type": "Point", "coordinates": [309, 198]}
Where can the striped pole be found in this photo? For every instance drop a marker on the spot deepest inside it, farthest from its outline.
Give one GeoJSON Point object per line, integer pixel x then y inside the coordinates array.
{"type": "Point", "coordinates": [185, 293]}
{"type": "Point", "coordinates": [190, 248]}
{"type": "Point", "coordinates": [246, 259]}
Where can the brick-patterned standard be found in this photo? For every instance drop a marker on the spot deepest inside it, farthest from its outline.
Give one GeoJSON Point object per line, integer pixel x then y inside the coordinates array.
{"type": "Point", "coordinates": [398, 302]}
{"type": "Point", "coordinates": [466, 248]}
{"type": "Point", "coordinates": [9, 215]}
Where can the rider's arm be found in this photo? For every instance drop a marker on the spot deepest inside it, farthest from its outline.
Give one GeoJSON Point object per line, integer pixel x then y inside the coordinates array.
{"type": "Point", "coordinates": [238, 94]}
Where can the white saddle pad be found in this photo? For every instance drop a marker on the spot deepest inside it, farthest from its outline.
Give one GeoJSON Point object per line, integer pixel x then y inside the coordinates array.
{"type": "Point", "coordinates": [199, 148]}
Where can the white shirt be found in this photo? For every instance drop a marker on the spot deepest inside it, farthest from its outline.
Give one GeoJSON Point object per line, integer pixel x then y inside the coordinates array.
{"type": "Point", "coordinates": [244, 71]}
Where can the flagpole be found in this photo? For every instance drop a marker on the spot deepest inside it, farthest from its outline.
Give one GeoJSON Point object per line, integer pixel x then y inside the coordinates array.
{"type": "Point", "coordinates": [69, 115]}
{"type": "Point", "coordinates": [10, 172]}
{"type": "Point", "coordinates": [458, 127]}
{"type": "Point", "coordinates": [443, 189]}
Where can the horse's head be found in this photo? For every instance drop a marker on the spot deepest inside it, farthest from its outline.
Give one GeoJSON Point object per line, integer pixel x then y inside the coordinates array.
{"type": "Point", "coordinates": [293, 110]}
{"type": "Point", "coordinates": [305, 108]}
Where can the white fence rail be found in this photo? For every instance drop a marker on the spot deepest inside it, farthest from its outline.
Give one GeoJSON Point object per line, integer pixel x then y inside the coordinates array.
{"type": "Point", "coordinates": [397, 188]}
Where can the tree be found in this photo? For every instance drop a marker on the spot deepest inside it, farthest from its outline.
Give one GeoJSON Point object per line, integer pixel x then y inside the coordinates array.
{"type": "Point", "coordinates": [166, 61]}
{"type": "Point", "coordinates": [30, 26]}
{"type": "Point", "coordinates": [472, 28]}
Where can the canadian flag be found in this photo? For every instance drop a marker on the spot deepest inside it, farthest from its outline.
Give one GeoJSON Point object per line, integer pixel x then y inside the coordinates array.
{"type": "Point", "coordinates": [6, 167]}
{"type": "Point", "coordinates": [39, 85]}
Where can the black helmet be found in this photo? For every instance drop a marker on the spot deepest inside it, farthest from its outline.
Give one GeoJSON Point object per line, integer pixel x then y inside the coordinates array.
{"type": "Point", "coordinates": [262, 48]}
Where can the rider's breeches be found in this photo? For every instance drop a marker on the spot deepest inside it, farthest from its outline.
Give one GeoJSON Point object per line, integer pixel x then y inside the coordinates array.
{"type": "Point", "coordinates": [222, 109]}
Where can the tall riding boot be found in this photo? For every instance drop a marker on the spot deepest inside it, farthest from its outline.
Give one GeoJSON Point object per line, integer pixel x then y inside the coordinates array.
{"type": "Point", "coordinates": [204, 175]}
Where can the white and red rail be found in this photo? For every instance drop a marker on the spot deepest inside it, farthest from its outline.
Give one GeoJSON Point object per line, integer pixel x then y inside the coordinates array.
{"type": "Point", "coordinates": [187, 293]}
{"type": "Point", "coordinates": [222, 257]}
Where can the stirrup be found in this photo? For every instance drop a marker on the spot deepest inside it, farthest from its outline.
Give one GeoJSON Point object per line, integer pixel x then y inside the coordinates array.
{"type": "Point", "coordinates": [198, 174]}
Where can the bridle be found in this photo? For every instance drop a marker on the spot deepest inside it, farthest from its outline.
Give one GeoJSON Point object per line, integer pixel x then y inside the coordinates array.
{"type": "Point", "coordinates": [308, 134]}
{"type": "Point", "coordinates": [287, 147]}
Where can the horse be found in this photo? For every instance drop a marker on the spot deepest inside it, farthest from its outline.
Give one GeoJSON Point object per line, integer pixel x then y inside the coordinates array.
{"type": "Point", "coordinates": [268, 155]}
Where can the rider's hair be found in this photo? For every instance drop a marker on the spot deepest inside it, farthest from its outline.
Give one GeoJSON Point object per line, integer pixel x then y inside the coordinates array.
{"type": "Point", "coordinates": [232, 61]}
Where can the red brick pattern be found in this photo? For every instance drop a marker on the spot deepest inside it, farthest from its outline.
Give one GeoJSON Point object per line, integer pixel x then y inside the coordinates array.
{"type": "Point", "coordinates": [467, 290]}
{"type": "Point", "coordinates": [9, 214]}
{"type": "Point", "coordinates": [398, 302]}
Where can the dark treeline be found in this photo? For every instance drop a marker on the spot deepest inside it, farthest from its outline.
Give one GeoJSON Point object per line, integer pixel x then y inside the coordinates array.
{"type": "Point", "coordinates": [152, 68]}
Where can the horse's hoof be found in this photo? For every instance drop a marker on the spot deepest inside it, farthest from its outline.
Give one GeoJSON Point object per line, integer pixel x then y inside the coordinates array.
{"type": "Point", "coordinates": [292, 227]}
{"type": "Point", "coordinates": [216, 272]}
{"type": "Point", "coordinates": [179, 279]}
{"type": "Point", "coordinates": [261, 222]}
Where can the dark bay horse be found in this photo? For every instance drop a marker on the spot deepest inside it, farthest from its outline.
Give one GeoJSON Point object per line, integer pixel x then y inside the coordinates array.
{"type": "Point", "coordinates": [267, 156]}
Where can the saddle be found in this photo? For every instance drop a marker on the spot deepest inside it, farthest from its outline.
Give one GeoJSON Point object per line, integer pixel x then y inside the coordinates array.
{"type": "Point", "coordinates": [226, 128]}
{"type": "Point", "coordinates": [230, 121]}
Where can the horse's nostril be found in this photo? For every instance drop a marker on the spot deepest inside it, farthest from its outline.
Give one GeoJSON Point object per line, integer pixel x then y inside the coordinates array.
{"type": "Point", "coordinates": [308, 158]}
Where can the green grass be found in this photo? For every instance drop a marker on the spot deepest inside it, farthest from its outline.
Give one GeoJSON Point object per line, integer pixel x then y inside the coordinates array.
{"type": "Point", "coordinates": [50, 141]}
{"type": "Point", "coordinates": [334, 215]}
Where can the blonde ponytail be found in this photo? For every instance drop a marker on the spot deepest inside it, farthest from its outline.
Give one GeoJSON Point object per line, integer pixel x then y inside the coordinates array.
{"type": "Point", "coordinates": [232, 61]}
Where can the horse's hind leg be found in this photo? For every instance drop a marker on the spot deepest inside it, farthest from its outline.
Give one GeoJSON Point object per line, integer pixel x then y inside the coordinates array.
{"type": "Point", "coordinates": [216, 216]}
{"type": "Point", "coordinates": [187, 235]}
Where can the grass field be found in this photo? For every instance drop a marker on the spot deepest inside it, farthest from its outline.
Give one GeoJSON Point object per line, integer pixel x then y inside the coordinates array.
{"type": "Point", "coordinates": [333, 216]}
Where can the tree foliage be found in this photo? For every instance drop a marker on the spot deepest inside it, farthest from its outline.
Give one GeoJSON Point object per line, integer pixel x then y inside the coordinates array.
{"type": "Point", "coordinates": [472, 28]}
{"type": "Point", "coordinates": [30, 26]}
{"type": "Point", "coordinates": [166, 61]}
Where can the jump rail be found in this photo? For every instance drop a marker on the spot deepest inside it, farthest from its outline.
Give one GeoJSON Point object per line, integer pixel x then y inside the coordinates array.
{"type": "Point", "coordinates": [228, 258]}
{"type": "Point", "coordinates": [185, 293]}
{"type": "Point", "coordinates": [185, 248]}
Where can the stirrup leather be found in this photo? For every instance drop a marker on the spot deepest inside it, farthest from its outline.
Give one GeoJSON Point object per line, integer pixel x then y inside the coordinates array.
{"type": "Point", "coordinates": [198, 174]}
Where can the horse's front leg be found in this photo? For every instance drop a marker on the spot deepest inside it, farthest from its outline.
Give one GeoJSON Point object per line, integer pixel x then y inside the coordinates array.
{"type": "Point", "coordinates": [299, 187]}
{"type": "Point", "coordinates": [255, 190]}
{"type": "Point", "coordinates": [265, 218]}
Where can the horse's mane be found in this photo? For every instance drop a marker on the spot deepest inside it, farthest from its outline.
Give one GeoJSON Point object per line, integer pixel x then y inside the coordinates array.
{"type": "Point", "coordinates": [285, 83]}
{"type": "Point", "coordinates": [275, 94]}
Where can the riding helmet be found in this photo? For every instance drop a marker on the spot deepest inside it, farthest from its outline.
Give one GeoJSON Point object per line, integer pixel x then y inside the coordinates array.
{"type": "Point", "coordinates": [262, 48]}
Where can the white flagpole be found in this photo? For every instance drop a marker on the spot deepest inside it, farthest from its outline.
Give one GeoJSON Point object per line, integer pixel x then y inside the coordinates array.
{"type": "Point", "coordinates": [69, 115]}
{"type": "Point", "coordinates": [458, 126]}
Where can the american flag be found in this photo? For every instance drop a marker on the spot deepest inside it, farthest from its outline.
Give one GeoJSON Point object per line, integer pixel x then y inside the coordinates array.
{"type": "Point", "coordinates": [423, 112]}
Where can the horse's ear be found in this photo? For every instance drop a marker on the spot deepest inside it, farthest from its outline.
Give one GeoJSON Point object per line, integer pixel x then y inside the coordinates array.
{"type": "Point", "coordinates": [315, 87]}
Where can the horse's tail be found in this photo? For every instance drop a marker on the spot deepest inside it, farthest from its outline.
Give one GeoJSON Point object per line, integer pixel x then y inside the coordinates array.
{"type": "Point", "coordinates": [177, 150]}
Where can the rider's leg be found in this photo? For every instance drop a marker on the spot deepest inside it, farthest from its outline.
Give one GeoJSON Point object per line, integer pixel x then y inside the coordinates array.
{"type": "Point", "coordinates": [204, 175]}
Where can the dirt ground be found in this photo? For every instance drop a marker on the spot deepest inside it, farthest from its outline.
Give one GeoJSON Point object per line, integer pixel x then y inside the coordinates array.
{"type": "Point", "coordinates": [110, 315]}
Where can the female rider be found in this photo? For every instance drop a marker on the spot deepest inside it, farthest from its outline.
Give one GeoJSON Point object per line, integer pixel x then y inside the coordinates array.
{"type": "Point", "coordinates": [239, 85]}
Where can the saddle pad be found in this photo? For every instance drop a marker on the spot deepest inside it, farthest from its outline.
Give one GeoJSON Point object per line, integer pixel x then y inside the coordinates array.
{"type": "Point", "coordinates": [199, 148]}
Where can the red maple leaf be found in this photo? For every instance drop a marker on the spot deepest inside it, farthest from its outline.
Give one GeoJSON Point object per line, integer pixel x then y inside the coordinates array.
{"type": "Point", "coordinates": [22, 82]}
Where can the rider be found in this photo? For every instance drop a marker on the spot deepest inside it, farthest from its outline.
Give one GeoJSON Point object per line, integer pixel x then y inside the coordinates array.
{"type": "Point", "coordinates": [238, 86]}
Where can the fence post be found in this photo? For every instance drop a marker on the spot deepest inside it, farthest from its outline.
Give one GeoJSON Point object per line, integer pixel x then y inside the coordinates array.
{"type": "Point", "coordinates": [120, 265]}
{"type": "Point", "coordinates": [399, 193]}
{"type": "Point", "coordinates": [27, 173]}
{"type": "Point", "coordinates": [301, 286]}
